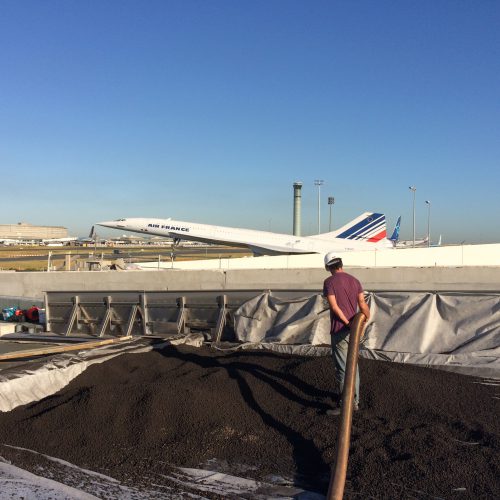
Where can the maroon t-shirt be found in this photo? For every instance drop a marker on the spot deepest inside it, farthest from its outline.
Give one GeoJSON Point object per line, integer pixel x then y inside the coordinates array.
{"type": "Point", "coordinates": [346, 289]}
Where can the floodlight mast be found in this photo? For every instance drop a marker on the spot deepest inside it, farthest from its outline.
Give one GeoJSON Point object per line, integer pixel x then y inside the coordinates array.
{"type": "Point", "coordinates": [331, 201]}
{"type": "Point", "coordinates": [319, 183]}
{"type": "Point", "coordinates": [428, 203]}
{"type": "Point", "coordinates": [413, 189]}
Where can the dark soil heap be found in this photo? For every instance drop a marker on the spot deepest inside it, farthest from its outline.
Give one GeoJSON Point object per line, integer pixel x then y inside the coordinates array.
{"type": "Point", "coordinates": [420, 433]}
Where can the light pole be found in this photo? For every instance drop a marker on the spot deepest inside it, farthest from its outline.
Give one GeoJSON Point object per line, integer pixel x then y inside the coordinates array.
{"type": "Point", "coordinates": [428, 223]}
{"type": "Point", "coordinates": [319, 183]}
{"type": "Point", "coordinates": [413, 189]}
{"type": "Point", "coordinates": [331, 201]}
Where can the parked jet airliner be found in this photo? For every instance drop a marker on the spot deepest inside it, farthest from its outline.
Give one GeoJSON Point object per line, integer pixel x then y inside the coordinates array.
{"type": "Point", "coordinates": [49, 241]}
{"type": "Point", "coordinates": [424, 242]}
{"type": "Point", "coordinates": [366, 232]}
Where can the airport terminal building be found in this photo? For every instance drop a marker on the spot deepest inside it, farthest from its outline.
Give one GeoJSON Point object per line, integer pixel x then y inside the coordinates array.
{"type": "Point", "coordinates": [25, 231]}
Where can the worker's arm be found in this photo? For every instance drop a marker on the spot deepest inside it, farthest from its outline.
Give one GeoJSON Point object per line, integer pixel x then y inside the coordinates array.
{"type": "Point", "coordinates": [363, 306]}
{"type": "Point", "coordinates": [336, 309]}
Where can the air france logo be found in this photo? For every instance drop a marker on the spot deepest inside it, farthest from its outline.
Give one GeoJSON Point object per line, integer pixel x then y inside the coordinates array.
{"type": "Point", "coordinates": [171, 228]}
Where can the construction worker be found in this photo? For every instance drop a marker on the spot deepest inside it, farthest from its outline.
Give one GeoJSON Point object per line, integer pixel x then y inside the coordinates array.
{"type": "Point", "coordinates": [345, 295]}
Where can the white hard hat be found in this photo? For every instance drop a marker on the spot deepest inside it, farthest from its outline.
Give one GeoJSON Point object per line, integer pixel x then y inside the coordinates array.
{"type": "Point", "coordinates": [331, 258]}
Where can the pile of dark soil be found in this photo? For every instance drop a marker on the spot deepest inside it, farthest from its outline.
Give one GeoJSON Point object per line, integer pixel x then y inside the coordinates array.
{"type": "Point", "coordinates": [420, 433]}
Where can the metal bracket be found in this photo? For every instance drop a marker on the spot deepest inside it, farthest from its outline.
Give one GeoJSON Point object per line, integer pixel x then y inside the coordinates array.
{"type": "Point", "coordinates": [47, 311]}
{"type": "Point", "coordinates": [181, 316]}
{"type": "Point", "coordinates": [144, 313]}
{"type": "Point", "coordinates": [75, 317]}
{"type": "Point", "coordinates": [108, 317]}
{"type": "Point", "coordinates": [221, 319]}
{"type": "Point", "coordinates": [136, 309]}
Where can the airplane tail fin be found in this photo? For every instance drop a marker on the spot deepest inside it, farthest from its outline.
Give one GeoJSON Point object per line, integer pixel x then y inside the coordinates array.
{"type": "Point", "coordinates": [395, 235]}
{"type": "Point", "coordinates": [369, 227]}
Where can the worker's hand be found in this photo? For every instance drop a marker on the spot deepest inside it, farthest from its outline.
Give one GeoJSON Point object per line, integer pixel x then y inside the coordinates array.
{"type": "Point", "coordinates": [348, 326]}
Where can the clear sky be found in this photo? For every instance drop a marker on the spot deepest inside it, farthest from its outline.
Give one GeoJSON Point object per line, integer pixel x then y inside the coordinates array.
{"type": "Point", "coordinates": [209, 110]}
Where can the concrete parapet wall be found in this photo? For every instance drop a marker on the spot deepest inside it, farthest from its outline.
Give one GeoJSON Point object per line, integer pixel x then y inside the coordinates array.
{"type": "Point", "coordinates": [456, 255]}
{"type": "Point", "coordinates": [376, 279]}
{"type": "Point", "coordinates": [29, 284]}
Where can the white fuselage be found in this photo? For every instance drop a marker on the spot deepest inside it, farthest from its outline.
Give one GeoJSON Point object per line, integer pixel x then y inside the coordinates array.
{"type": "Point", "coordinates": [263, 242]}
{"type": "Point", "coordinates": [410, 243]}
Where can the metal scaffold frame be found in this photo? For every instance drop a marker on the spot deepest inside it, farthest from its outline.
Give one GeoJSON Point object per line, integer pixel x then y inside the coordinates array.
{"type": "Point", "coordinates": [140, 313]}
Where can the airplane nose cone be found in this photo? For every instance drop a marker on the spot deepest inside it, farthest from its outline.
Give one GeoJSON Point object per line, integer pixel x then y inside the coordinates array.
{"type": "Point", "coordinates": [106, 224]}
{"type": "Point", "coordinates": [114, 224]}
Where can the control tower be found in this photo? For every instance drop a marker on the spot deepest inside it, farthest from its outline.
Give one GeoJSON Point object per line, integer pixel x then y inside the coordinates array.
{"type": "Point", "coordinates": [297, 200]}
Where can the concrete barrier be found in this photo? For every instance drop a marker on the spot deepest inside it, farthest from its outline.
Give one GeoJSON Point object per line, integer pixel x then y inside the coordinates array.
{"type": "Point", "coordinates": [34, 284]}
{"type": "Point", "coordinates": [452, 255]}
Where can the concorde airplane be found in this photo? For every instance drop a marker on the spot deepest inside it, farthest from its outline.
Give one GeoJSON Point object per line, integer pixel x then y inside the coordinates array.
{"type": "Point", "coordinates": [366, 232]}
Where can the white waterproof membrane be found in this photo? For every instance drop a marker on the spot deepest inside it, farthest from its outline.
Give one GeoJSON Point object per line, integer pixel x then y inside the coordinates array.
{"type": "Point", "coordinates": [84, 484]}
{"type": "Point", "coordinates": [457, 331]}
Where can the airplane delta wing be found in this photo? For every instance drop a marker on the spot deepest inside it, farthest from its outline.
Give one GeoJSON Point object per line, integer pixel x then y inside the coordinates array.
{"type": "Point", "coordinates": [366, 232]}
{"type": "Point", "coordinates": [259, 242]}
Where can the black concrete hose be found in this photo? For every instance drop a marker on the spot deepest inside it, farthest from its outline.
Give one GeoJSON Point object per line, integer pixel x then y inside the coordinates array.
{"type": "Point", "coordinates": [339, 470]}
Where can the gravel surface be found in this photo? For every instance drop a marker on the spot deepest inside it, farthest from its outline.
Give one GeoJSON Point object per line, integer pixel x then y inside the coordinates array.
{"type": "Point", "coordinates": [420, 432]}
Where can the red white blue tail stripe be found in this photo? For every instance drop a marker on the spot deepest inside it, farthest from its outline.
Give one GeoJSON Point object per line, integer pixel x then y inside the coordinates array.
{"type": "Point", "coordinates": [369, 227]}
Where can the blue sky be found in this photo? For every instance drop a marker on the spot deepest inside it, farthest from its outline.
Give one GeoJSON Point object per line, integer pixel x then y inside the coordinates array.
{"type": "Point", "coordinates": [209, 111]}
